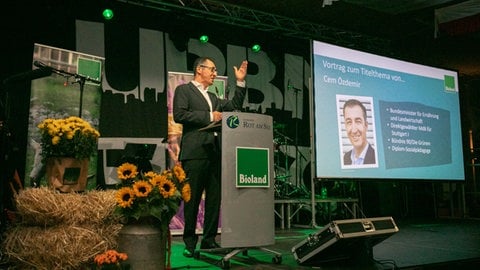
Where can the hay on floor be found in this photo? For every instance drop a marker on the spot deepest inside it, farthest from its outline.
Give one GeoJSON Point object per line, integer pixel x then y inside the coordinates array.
{"type": "Point", "coordinates": [61, 230]}
{"type": "Point", "coordinates": [47, 207]}
{"type": "Point", "coordinates": [59, 247]}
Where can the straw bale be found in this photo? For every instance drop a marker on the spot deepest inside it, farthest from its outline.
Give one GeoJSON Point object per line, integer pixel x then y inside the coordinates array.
{"type": "Point", "coordinates": [61, 230]}
{"type": "Point", "coordinates": [105, 199]}
{"type": "Point", "coordinates": [45, 206]}
{"type": "Point", "coordinates": [59, 247]}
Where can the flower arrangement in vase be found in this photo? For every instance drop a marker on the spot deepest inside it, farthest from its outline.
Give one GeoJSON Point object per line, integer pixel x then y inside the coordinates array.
{"type": "Point", "coordinates": [146, 203]}
{"type": "Point", "coordinates": [66, 147]}
{"type": "Point", "coordinates": [150, 195]}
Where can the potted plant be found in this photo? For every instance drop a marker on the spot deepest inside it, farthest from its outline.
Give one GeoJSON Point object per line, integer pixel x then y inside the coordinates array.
{"type": "Point", "coordinates": [147, 202]}
{"type": "Point", "coordinates": [66, 146]}
{"type": "Point", "coordinates": [110, 260]}
{"type": "Point", "coordinates": [150, 195]}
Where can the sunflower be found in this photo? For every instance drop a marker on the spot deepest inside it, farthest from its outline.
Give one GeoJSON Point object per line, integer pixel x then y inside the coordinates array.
{"type": "Point", "coordinates": [179, 173]}
{"type": "Point", "coordinates": [142, 188]}
{"type": "Point", "coordinates": [125, 197]}
{"type": "Point", "coordinates": [127, 171]}
{"type": "Point", "coordinates": [186, 192]}
{"type": "Point", "coordinates": [167, 188]}
{"type": "Point", "coordinates": [157, 180]}
{"type": "Point", "coordinates": [150, 175]}
{"type": "Point", "coordinates": [150, 194]}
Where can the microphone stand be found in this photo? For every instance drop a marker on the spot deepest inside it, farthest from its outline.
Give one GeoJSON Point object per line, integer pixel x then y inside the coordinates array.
{"type": "Point", "coordinates": [305, 192]}
{"type": "Point", "coordinates": [81, 82]}
{"type": "Point", "coordinates": [296, 90]}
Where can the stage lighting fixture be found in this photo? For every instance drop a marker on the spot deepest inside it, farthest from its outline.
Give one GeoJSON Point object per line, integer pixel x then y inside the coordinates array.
{"type": "Point", "coordinates": [107, 14]}
{"type": "Point", "coordinates": [203, 38]}
{"type": "Point", "coordinates": [256, 48]}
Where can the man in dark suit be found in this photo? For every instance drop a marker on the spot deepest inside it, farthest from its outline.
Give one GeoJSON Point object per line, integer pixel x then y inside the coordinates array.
{"type": "Point", "coordinates": [356, 126]}
{"type": "Point", "coordinates": [194, 107]}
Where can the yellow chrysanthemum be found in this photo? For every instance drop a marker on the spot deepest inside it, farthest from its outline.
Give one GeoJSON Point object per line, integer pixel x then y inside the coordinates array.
{"type": "Point", "coordinates": [66, 127]}
{"type": "Point", "coordinates": [125, 197]}
{"type": "Point", "coordinates": [69, 135]}
{"type": "Point", "coordinates": [56, 140]}
{"type": "Point", "coordinates": [68, 138]}
{"type": "Point", "coordinates": [167, 188]}
{"type": "Point", "coordinates": [186, 192]}
{"type": "Point", "coordinates": [52, 129]}
{"type": "Point", "coordinates": [142, 188]}
{"type": "Point", "coordinates": [127, 171]}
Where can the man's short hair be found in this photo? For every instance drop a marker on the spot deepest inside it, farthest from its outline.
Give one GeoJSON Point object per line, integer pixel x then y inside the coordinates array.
{"type": "Point", "coordinates": [199, 61]}
{"type": "Point", "coordinates": [352, 103]}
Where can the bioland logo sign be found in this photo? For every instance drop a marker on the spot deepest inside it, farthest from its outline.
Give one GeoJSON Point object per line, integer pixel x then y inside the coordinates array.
{"type": "Point", "coordinates": [449, 82]}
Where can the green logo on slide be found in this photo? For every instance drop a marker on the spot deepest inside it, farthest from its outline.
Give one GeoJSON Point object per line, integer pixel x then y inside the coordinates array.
{"type": "Point", "coordinates": [252, 167]}
{"type": "Point", "coordinates": [449, 82]}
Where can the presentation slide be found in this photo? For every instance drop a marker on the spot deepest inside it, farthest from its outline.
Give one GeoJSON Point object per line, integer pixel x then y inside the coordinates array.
{"type": "Point", "coordinates": [380, 118]}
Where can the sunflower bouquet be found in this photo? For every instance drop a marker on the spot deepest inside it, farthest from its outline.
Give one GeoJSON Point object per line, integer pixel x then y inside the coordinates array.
{"type": "Point", "coordinates": [150, 194]}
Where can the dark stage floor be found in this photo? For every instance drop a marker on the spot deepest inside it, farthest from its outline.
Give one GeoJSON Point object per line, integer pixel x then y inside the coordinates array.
{"type": "Point", "coordinates": [419, 244]}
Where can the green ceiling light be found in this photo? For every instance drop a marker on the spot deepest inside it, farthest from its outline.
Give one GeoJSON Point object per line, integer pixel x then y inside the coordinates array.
{"type": "Point", "coordinates": [203, 39]}
{"type": "Point", "coordinates": [256, 48]}
{"type": "Point", "coordinates": [107, 14]}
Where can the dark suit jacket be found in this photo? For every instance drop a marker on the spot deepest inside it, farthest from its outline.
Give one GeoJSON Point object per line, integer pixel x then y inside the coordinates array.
{"type": "Point", "coordinates": [369, 156]}
{"type": "Point", "coordinates": [192, 111]}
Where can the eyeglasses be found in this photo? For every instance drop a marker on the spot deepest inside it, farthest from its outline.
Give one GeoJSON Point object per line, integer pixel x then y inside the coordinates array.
{"type": "Point", "coordinates": [212, 69]}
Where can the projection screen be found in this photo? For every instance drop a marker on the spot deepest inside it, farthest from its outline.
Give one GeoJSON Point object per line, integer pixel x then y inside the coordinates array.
{"type": "Point", "coordinates": [401, 120]}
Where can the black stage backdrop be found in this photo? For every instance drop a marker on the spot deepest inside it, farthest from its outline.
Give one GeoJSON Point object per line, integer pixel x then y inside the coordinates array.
{"type": "Point", "coordinates": [141, 46]}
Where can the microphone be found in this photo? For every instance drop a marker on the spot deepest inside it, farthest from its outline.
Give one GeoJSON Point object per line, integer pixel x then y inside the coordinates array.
{"type": "Point", "coordinates": [28, 75]}
{"type": "Point", "coordinates": [40, 64]}
{"type": "Point", "coordinates": [63, 73]}
{"type": "Point", "coordinates": [46, 67]}
{"type": "Point", "coordinates": [291, 87]}
{"type": "Point", "coordinates": [220, 105]}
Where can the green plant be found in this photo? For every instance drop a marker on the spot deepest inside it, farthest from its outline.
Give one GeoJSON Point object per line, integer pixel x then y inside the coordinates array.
{"type": "Point", "coordinates": [68, 137]}
{"type": "Point", "coordinates": [150, 195]}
